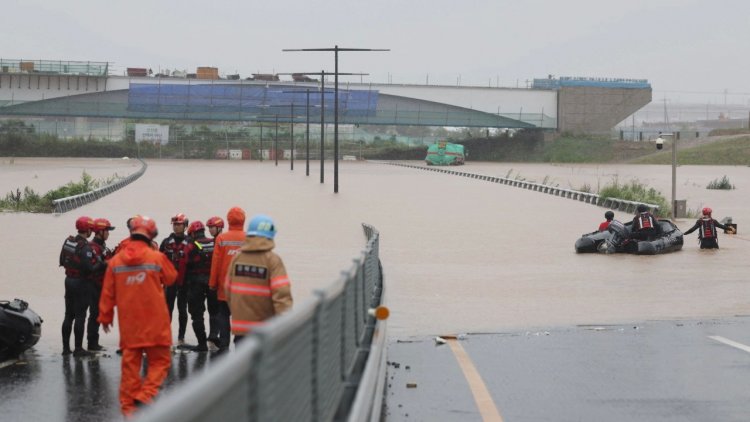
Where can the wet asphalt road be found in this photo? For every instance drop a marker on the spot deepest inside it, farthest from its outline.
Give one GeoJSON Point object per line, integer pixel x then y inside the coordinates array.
{"type": "Point", "coordinates": [650, 371]}
{"type": "Point", "coordinates": [47, 387]}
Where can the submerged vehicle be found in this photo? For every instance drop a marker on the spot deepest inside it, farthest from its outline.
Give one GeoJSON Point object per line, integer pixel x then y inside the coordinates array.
{"type": "Point", "coordinates": [20, 328]}
{"type": "Point", "coordinates": [617, 238]}
{"type": "Point", "coordinates": [445, 154]}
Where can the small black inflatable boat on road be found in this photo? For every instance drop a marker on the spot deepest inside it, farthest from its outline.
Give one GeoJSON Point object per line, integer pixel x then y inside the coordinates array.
{"type": "Point", "coordinates": [20, 328]}
{"type": "Point", "coordinates": [618, 238]}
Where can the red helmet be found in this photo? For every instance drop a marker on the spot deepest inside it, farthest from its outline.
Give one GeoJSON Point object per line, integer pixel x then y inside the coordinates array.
{"type": "Point", "coordinates": [144, 226]}
{"type": "Point", "coordinates": [707, 211]}
{"type": "Point", "coordinates": [195, 226]}
{"type": "Point", "coordinates": [180, 219]}
{"type": "Point", "coordinates": [101, 224]}
{"type": "Point", "coordinates": [84, 223]}
{"type": "Point", "coordinates": [215, 222]}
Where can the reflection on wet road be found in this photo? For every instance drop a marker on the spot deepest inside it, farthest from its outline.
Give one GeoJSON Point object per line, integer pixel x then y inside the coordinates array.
{"type": "Point", "coordinates": [44, 387]}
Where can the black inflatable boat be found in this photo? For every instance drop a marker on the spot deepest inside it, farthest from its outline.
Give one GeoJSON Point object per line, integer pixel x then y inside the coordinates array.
{"type": "Point", "coordinates": [20, 328]}
{"type": "Point", "coordinates": [618, 238]}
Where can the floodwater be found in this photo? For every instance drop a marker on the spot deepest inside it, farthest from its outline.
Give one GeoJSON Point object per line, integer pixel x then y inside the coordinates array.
{"type": "Point", "coordinates": [459, 255]}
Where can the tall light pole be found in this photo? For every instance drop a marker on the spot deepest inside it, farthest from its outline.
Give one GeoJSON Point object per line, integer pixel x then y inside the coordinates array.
{"type": "Point", "coordinates": [659, 143]}
{"type": "Point", "coordinates": [336, 50]}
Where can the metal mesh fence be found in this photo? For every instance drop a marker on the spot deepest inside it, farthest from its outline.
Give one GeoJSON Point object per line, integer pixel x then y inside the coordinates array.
{"type": "Point", "coordinates": [299, 365]}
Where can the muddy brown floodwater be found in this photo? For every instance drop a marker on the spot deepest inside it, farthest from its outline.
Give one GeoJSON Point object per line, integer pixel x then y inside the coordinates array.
{"type": "Point", "coordinates": [459, 254]}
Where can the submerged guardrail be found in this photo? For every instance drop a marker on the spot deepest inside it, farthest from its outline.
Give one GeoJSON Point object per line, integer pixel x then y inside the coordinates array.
{"type": "Point", "coordinates": [587, 197]}
{"type": "Point", "coordinates": [68, 203]}
{"type": "Point", "coordinates": [322, 361]}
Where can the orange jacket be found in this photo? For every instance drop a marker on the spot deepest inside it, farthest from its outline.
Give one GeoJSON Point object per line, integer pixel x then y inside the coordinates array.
{"type": "Point", "coordinates": [226, 246]}
{"type": "Point", "coordinates": [134, 283]}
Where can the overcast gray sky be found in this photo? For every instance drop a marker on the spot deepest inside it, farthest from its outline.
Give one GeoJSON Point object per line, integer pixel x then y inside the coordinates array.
{"type": "Point", "coordinates": [689, 50]}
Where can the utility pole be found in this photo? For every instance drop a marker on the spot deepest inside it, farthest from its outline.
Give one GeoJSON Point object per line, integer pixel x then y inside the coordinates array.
{"type": "Point", "coordinates": [336, 50]}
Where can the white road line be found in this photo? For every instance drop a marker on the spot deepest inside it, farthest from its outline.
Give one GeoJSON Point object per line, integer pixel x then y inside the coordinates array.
{"type": "Point", "coordinates": [728, 342]}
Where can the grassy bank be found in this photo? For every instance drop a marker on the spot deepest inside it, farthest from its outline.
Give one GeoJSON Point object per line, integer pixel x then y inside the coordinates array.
{"type": "Point", "coordinates": [727, 152]}
{"type": "Point", "coordinates": [27, 200]}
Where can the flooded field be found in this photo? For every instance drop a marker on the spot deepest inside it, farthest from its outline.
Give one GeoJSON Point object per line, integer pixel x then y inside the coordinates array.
{"type": "Point", "coordinates": [459, 255]}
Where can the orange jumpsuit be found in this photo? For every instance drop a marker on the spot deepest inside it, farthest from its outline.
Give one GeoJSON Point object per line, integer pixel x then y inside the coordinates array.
{"type": "Point", "coordinates": [226, 246]}
{"type": "Point", "coordinates": [134, 283]}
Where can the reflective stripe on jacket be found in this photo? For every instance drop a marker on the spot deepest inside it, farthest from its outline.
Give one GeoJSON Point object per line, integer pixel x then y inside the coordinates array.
{"type": "Point", "coordinates": [134, 283]}
{"type": "Point", "coordinates": [258, 286]}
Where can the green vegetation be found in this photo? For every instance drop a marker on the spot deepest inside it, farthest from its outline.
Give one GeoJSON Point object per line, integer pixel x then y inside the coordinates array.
{"type": "Point", "coordinates": [195, 141]}
{"type": "Point", "coordinates": [637, 192]}
{"type": "Point", "coordinates": [727, 152]}
{"type": "Point", "coordinates": [30, 201]}
{"type": "Point", "coordinates": [725, 132]}
{"type": "Point", "coordinates": [571, 149]}
{"type": "Point", "coordinates": [722, 183]}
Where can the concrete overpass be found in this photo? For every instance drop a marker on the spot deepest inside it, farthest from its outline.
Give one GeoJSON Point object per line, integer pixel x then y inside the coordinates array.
{"type": "Point", "coordinates": [577, 105]}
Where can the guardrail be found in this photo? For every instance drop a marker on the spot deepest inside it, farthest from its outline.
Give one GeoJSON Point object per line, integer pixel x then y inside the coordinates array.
{"type": "Point", "coordinates": [322, 361]}
{"type": "Point", "coordinates": [72, 202]}
{"type": "Point", "coordinates": [587, 197]}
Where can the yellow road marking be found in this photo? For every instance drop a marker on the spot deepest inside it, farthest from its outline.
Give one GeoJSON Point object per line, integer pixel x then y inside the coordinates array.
{"type": "Point", "coordinates": [482, 396]}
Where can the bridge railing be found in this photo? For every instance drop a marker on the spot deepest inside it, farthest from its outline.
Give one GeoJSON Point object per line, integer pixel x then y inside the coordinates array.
{"type": "Point", "coordinates": [322, 361]}
{"type": "Point", "coordinates": [587, 197]}
{"type": "Point", "coordinates": [68, 203]}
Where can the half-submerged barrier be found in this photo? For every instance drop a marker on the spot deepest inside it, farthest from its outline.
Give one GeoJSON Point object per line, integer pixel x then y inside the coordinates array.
{"type": "Point", "coordinates": [322, 361]}
{"type": "Point", "coordinates": [72, 202]}
{"type": "Point", "coordinates": [587, 197]}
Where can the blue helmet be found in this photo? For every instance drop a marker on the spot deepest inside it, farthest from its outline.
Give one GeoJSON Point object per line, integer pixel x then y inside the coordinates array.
{"type": "Point", "coordinates": [262, 226]}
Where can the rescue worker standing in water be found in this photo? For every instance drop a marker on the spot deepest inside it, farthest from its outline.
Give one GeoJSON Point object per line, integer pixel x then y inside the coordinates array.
{"type": "Point", "coordinates": [226, 246]}
{"type": "Point", "coordinates": [199, 255]}
{"type": "Point", "coordinates": [257, 286]}
{"type": "Point", "coordinates": [215, 226]}
{"type": "Point", "coordinates": [175, 248]}
{"type": "Point", "coordinates": [102, 227]}
{"type": "Point", "coordinates": [134, 283]}
{"type": "Point", "coordinates": [645, 225]}
{"type": "Point", "coordinates": [79, 263]}
{"type": "Point", "coordinates": [708, 237]}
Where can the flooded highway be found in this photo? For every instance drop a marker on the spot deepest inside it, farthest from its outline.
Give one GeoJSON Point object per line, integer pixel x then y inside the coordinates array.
{"type": "Point", "coordinates": [460, 255]}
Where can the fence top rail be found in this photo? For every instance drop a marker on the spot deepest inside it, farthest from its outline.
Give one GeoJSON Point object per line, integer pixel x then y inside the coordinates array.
{"type": "Point", "coordinates": [526, 183]}
{"type": "Point", "coordinates": [103, 188]}
{"type": "Point", "coordinates": [172, 406]}
{"type": "Point", "coordinates": [288, 323]}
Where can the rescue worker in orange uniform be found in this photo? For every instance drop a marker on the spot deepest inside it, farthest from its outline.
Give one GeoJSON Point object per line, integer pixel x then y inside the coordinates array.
{"type": "Point", "coordinates": [708, 236]}
{"type": "Point", "coordinates": [175, 248]}
{"type": "Point", "coordinates": [257, 286]}
{"type": "Point", "coordinates": [199, 255]}
{"type": "Point", "coordinates": [102, 227]}
{"type": "Point", "coordinates": [226, 245]}
{"type": "Point", "coordinates": [215, 226]}
{"type": "Point", "coordinates": [134, 283]}
{"type": "Point", "coordinates": [79, 263]}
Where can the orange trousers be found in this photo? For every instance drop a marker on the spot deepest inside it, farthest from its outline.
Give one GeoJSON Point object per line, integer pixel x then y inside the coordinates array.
{"type": "Point", "coordinates": [135, 388]}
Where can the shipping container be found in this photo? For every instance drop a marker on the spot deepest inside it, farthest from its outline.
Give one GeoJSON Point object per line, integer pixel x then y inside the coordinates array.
{"type": "Point", "coordinates": [137, 71]}
{"type": "Point", "coordinates": [27, 66]}
{"type": "Point", "coordinates": [245, 154]}
{"type": "Point", "coordinates": [221, 154]}
{"type": "Point", "coordinates": [207, 73]}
